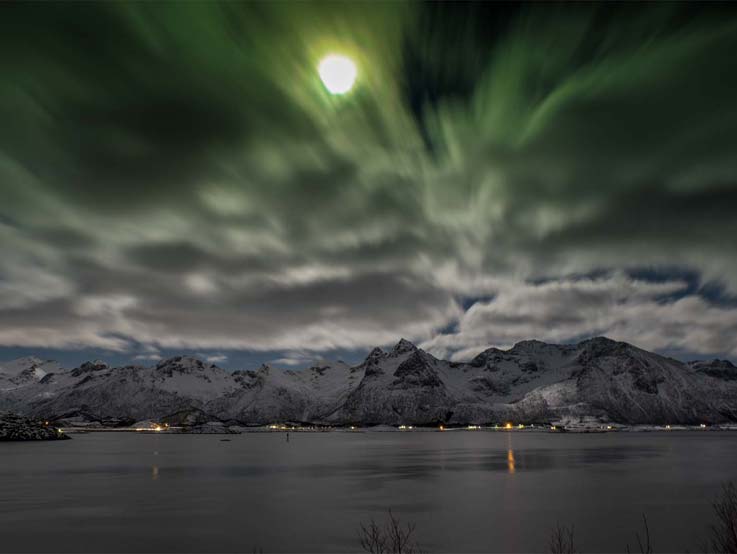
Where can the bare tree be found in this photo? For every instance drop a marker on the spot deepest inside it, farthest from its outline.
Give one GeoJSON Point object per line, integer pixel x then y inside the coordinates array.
{"type": "Point", "coordinates": [645, 547]}
{"type": "Point", "coordinates": [562, 540]}
{"type": "Point", "coordinates": [724, 534]}
{"type": "Point", "coordinates": [391, 538]}
{"type": "Point", "coordinates": [372, 538]}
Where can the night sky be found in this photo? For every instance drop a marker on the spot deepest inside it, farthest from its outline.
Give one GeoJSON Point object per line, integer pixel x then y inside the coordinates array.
{"type": "Point", "coordinates": [176, 178]}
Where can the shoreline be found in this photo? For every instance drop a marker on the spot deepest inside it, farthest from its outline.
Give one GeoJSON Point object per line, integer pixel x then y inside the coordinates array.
{"type": "Point", "coordinates": [547, 429]}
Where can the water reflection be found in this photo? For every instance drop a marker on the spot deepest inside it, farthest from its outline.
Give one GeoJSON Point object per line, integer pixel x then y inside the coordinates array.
{"type": "Point", "coordinates": [510, 455]}
{"type": "Point", "coordinates": [510, 460]}
{"type": "Point", "coordinates": [372, 466]}
{"type": "Point", "coordinates": [325, 485]}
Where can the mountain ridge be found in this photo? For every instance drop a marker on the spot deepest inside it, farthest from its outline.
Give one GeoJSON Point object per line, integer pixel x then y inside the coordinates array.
{"type": "Point", "coordinates": [532, 381]}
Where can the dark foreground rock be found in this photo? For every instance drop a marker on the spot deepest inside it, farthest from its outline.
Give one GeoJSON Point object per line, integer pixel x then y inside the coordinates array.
{"type": "Point", "coordinates": [17, 428]}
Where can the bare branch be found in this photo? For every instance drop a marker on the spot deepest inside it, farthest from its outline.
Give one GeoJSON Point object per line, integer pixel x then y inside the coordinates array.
{"type": "Point", "coordinates": [645, 547]}
{"type": "Point", "coordinates": [724, 532]}
{"type": "Point", "coordinates": [392, 538]}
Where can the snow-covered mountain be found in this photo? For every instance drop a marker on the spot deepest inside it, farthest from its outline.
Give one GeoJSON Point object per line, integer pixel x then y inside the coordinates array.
{"type": "Point", "coordinates": [531, 382]}
{"type": "Point", "coordinates": [24, 371]}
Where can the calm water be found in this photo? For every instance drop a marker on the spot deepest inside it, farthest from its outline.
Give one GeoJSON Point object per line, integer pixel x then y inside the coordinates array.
{"type": "Point", "coordinates": [466, 491]}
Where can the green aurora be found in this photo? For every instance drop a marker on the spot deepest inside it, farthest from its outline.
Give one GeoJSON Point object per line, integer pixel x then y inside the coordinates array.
{"type": "Point", "coordinates": [175, 175]}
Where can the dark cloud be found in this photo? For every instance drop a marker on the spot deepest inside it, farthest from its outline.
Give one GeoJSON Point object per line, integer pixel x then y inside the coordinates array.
{"type": "Point", "coordinates": [176, 176]}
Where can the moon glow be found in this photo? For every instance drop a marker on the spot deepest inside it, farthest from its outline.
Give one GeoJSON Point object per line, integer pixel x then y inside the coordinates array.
{"type": "Point", "coordinates": [338, 73]}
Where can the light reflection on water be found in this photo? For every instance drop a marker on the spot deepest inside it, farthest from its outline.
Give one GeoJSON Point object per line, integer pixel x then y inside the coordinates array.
{"type": "Point", "coordinates": [466, 491]}
{"type": "Point", "coordinates": [510, 454]}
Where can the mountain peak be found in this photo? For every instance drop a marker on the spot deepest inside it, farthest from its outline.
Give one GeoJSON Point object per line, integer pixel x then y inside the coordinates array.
{"type": "Point", "coordinates": [88, 367]}
{"type": "Point", "coordinates": [17, 366]}
{"type": "Point", "coordinates": [532, 345]}
{"type": "Point", "coordinates": [375, 354]}
{"type": "Point", "coordinates": [599, 340]}
{"type": "Point", "coordinates": [602, 344]}
{"type": "Point", "coordinates": [94, 365]}
{"type": "Point", "coordinates": [182, 364]}
{"type": "Point", "coordinates": [403, 346]}
{"type": "Point", "coordinates": [482, 358]}
{"type": "Point", "coordinates": [599, 378]}
{"type": "Point", "coordinates": [603, 347]}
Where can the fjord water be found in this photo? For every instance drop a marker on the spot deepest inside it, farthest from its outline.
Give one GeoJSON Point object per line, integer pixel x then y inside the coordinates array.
{"type": "Point", "coordinates": [466, 491]}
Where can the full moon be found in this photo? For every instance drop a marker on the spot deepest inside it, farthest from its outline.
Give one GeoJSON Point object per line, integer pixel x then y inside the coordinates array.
{"type": "Point", "coordinates": [338, 73]}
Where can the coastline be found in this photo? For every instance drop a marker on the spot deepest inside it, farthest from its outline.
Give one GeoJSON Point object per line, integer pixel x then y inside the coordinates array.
{"type": "Point", "coordinates": [548, 429]}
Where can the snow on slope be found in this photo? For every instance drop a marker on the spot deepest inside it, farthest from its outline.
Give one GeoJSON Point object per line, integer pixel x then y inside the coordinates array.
{"type": "Point", "coordinates": [271, 394]}
{"type": "Point", "coordinates": [532, 381]}
{"type": "Point", "coordinates": [24, 371]}
{"type": "Point", "coordinates": [401, 386]}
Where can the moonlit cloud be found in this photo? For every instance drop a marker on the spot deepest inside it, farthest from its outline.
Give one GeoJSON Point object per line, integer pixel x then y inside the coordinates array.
{"type": "Point", "coordinates": [214, 358]}
{"type": "Point", "coordinates": [153, 357]}
{"type": "Point", "coordinates": [657, 316]}
{"type": "Point", "coordinates": [159, 192]}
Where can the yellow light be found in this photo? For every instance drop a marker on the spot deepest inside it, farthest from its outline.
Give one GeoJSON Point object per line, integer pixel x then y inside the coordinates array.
{"type": "Point", "coordinates": [552, 427]}
{"type": "Point", "coordinates": [508, 426]}
{"type": "Point", "coordinates": [521, 426]}
{"type": "Point", "coordinates": [442, 428]}
{"type": "Point", "coordinates": [338, 73]}
{"type": "Point", "coordinates": [510, 461]}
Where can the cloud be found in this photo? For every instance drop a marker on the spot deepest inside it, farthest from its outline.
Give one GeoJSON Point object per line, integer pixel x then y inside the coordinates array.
{"type": "Point", "coordinates": [215, 358]}
{"type": "Point", "coordinates": [164, 192]}
{"type": "Point", "coordinates": [291, 361]}
{"type": "Point", "coordinates": [148, 357]}
{"type": "Point", "coordinates": [654, 315]}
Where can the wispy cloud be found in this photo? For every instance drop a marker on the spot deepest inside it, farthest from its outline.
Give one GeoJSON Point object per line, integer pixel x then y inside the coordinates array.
{"type": "Point", "coordinates": [216, 358]}
{"type": "Point", "coordinates": [161, 192]}
{"type": "Point", "coordinates": [655, 315]}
